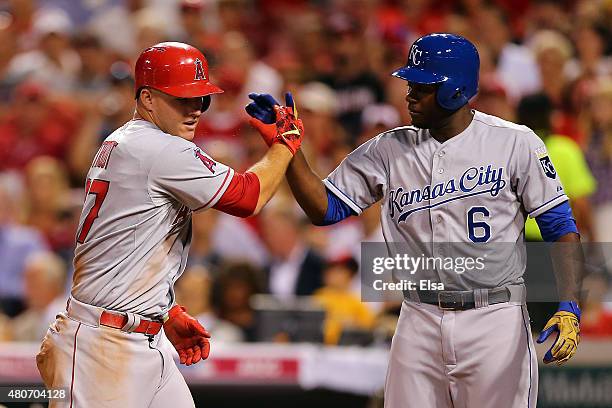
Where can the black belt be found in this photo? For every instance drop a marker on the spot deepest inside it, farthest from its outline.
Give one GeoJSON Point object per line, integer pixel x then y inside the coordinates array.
{"type": "Point", "coordinates": [460, 300]}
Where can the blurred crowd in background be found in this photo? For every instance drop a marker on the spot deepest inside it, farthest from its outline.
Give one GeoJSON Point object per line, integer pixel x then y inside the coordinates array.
{"type": "Point", "coordinates": [66, 83]}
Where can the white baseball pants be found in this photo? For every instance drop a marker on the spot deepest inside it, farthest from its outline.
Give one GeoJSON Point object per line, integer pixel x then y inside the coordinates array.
{"type": "Point", "coordinates": [481, 358]}
{"type": "Point", "coordinates": [105, 367]}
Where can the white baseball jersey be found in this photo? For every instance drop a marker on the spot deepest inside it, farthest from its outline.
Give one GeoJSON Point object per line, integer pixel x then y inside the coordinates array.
{"type": "Point", "coordinates": [477, 187]}
{"type": "Point", "coordinates": [135, 228]}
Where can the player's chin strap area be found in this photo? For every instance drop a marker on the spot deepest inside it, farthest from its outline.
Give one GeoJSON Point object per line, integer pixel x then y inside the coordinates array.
{"type": "Point", "coordinates": [124, 321]}
{"type": "Point", "coordinates": [468, 299]}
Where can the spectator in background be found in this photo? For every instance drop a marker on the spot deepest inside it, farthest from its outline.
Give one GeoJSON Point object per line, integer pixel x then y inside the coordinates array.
{"type": "Point", "coordinates": [231, 296]}
{"type": "Point", "coordinates": [597, 123]}
{"type": "Point", "coordinates": [318, 106]}
{"type": "Point", "coordinates": [194, 29]}
{"type": "Point", "coordinates": [377, 118]}
{"type": "Point", "coordinates": [36, 125]}
{"type": "Point", "coordinates": [151, 28]}
{"type": "Point", "coordinates": [8, 49]}
{"type": "Point", "coordinates": [589, 41]}
{"type": "Point", "coordinates": [53, 63]}
{"type": "Point", "coordinates": [553, 51]}
{"type": "Point", "coordinates": [492, 99]}
{"type": "Point", "coordinates": [17, 243]}
{"type": "Point", "coordinates": [201, 252]}
{"type": "Point", "coordinates": [49, 206]}
{"type": "Point", "coordinates": [295, 268]}
{"type": "Point", "coordinates": [516, 67]}
{"type": "Point", "coordinates": [548, 15]}
{"type": "Point", "coordinates": [534, 111]}
{"type": "Point", "coordinates": [193, 292]}
{"type": "Point", "coordinates": [101, 116]}
{"type": "Point", "coordinates": [45, 296]}
{"type": "Point", "coordinates": [236, 56]}
{"type": "Point", "coordinates": [92, 77]}
{"type": "Point", "coordinates": [355, 84]}
{"type": "Point", "coordinates": [344, 310]}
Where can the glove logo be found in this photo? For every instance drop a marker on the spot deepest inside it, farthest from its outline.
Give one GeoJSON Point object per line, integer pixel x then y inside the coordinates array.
{"type": "Point", "coordinates": [199, 70]}
{"type": "Point", "coordinates": [415, 53]}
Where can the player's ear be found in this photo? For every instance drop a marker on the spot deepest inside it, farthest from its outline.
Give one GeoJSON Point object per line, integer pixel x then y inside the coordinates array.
{"type": "Point", "coordinates": [145, 98]}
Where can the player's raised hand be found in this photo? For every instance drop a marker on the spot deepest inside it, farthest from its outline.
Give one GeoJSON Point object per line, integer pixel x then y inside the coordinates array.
{"type": "Point", "coordinates": [566, 322]}
{"type": "Point", "coordinates": [276, 123]}
{"type": "Point", "coordinates": [262, 108]}
{"type": "Point", "coordinates": [187, 335]}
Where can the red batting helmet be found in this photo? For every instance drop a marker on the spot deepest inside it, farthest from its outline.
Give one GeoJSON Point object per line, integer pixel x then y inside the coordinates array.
{"type": "Point", "coordinates": [174, 68]}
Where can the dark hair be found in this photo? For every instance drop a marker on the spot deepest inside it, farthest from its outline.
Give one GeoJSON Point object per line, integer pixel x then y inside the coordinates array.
{"type": "Point", "coordinates": [534, 112]}
{"type": "Point", "coordinates": [235, 271]}
{"type": "Point", "coordinates": [347, 261]}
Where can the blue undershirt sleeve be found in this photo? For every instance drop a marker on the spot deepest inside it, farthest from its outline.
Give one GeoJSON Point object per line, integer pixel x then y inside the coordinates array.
{"type": "Point", "coordinates": [337, 210]}
{"type": "Point", "coordinates": [557, 222]}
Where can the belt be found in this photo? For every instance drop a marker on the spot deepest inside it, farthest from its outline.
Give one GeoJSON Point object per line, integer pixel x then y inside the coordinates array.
{"type": "Point", "coordinates": [124, 321]}
{"type": "Point", "coordinates": [468, 299]}
{"type": "Point", "coordinates": [120, 321]}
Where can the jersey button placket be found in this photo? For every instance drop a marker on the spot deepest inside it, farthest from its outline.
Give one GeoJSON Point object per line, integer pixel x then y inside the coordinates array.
{"type": "Point", "coordinates": [436, 216]}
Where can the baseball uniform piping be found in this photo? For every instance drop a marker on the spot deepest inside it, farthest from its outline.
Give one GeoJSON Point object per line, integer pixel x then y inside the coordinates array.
{"type": "Point", "coordinates": [341, 195]}
{"type": "Point", "coordinates": [529, 350]}
{"type": "Point", "coordinates": [223, 184]}
{"type": "Point", "coordinates": [73, 364]}
{"type": "Point", "coordinates": [549, 204]}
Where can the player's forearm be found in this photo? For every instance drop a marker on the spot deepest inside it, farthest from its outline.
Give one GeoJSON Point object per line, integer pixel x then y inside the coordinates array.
{"type": "Point", "coordinates": [583, 214]}
{"type": "Point", "coordinates": [307, 188]}
{"type": "Point", "coordinates": [270, 171]}
{"type": "Point", "coordinates": [568, 264]}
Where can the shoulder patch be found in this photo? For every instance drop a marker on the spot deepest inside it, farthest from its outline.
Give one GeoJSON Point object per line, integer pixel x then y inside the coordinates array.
{"type": "Point", "coordinates": [545, 162]}
{"type": "Point", "coordinates": [206, 161]}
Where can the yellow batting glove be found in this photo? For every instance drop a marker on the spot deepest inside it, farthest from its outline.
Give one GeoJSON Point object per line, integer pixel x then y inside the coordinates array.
{"type": "Point", "coordinates": [566, 322]}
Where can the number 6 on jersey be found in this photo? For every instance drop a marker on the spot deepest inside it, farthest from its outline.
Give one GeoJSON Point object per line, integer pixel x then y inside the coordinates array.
{"type": "Point", "coordinates": [99, 188]}
{"type": "Point", "coordinates": [478, 231]}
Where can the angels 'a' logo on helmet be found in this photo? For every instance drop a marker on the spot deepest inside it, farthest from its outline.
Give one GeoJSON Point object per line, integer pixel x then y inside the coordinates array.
{"type": "Point", "coordinates": [199, 74]}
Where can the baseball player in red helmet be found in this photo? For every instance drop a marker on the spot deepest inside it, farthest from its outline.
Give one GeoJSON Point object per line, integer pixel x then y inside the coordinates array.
{"type": "Point", "coordinates": [134, 235]}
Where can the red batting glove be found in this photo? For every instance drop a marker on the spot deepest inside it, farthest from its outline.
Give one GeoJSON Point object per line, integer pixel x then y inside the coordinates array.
{"type": "Point", "coordinates": [287, 130]}
{"type": "Point", "coordinates": [187, 336]}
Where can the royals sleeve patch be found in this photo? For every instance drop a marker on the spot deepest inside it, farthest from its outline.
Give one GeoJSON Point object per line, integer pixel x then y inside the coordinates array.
{"type": "Point", "coordinates": [546, 163]}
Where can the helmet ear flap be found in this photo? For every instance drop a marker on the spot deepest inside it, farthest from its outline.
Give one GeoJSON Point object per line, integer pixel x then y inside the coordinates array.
{"type": "Point", "coordinates": [451, 95]}
{"type": "Point", "coordinates": [205, 103]}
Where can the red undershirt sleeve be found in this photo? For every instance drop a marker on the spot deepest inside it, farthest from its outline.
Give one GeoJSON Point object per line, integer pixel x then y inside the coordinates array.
{"type": "Point", "coordinates": [241, 196]}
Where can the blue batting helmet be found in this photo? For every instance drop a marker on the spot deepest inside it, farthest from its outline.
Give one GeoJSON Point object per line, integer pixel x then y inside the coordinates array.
{"type": "Point", "coordinates": [446, 59]}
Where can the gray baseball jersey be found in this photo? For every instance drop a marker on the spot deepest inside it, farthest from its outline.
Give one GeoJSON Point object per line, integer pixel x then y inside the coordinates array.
{"type": "Point", "coordinates": [135, 228]}
{"type": "Point", "coordinates": [477, 187]}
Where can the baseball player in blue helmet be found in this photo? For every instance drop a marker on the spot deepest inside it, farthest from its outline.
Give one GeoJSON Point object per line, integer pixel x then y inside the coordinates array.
{"type": "Point", "coordinates": [457, 184]}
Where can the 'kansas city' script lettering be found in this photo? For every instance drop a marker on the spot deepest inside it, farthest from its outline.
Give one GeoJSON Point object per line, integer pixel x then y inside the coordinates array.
{"type": "Point", "coordinates": [490, 179]}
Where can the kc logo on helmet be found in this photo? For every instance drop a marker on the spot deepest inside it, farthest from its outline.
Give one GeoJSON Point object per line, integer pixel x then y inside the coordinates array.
{"type": "Point", "coordinates": [199, 74]}
{"type": "Point", "coordinates": [415, 53]}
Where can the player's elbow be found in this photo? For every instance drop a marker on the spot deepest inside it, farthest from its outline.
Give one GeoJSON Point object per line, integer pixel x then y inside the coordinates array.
{"type": "Point", "coordinates": [317, 219]}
